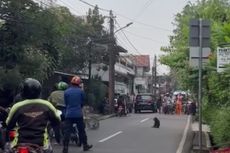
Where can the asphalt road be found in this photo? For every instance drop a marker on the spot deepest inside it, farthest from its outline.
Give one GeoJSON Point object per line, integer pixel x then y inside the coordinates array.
{"type": "Point", "coordinates": [134, 134]}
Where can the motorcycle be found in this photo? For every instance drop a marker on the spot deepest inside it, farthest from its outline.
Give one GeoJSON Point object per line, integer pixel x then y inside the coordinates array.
{"type": "Point", "coordinates": [74, 137]}
{"type": "Point", "coordinates": [3, 116]}
{"type": "Point", "coordinates": [27, 148]}
{"type": "Point", "coordinates": [122, 111]}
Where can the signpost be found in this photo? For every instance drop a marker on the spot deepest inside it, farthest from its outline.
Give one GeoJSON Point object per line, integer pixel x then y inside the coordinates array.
{"type": "Point", "coordinates": [199, 38]}
{"type": "Point", "coordinates": [223, 58]}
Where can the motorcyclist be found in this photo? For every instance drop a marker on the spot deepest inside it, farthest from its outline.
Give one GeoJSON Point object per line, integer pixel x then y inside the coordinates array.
{"type": "Point", "coordinates": [57, 96]}
{"type": "Point", "coordinates": [121, 105]}
{"type": "Point", "coordinates": [74, 99]}
{"type": "Point", "coordinates": [31, 116]}
{"type": "Point", "coordinates": [57, 99]}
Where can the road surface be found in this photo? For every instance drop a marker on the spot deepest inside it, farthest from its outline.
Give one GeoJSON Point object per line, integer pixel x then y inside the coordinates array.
{"type": "Point", "coordinates": [134, 134]}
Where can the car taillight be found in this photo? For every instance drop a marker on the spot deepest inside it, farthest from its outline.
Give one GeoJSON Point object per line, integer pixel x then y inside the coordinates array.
{"type": "Point", "coordinates": [23, 150]}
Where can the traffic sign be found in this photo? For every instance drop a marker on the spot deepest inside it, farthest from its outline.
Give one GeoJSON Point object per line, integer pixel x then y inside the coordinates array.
{"type": "Point", "coordinates": [223, 58]}
{"type": "Point", "coordinates": [194, 56]}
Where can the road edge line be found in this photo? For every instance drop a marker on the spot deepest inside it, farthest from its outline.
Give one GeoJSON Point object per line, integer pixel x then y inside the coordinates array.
{"type": "Point", "coordinates": [185, 133]}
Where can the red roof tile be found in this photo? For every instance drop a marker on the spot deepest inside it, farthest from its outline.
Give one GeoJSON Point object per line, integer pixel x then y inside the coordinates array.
{"type": "Point", "coordinates": [141, 60]}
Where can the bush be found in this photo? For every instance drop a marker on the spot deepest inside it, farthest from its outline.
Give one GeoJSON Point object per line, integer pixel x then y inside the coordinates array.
{"type": "Point", "coordinates": [220, 126]}
{"type": "Point", "coordinates": [9, 83]}
{"type": "Point", "coordinates": [97, 93]}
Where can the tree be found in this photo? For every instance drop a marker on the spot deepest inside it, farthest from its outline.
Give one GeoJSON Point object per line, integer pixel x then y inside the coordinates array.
{"type": "Point", "coordinates": [216, 92]}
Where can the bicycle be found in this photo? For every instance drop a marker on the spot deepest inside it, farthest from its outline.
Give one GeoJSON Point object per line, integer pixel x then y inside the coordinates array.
{"type": "Point", "coordinates": [91, 120]}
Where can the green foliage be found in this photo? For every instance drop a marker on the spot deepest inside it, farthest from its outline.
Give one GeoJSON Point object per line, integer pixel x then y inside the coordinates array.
{"type": "Point", "coordinates": [9, 79]}
{"type": "Point", "coordinates": [97, 92]}
{"type": "Point", "coordinates": [220, 126]}
{"type": "Point", "coordinates": [216, 86]}
{"type": "Point", "coordinates": [35, 41]}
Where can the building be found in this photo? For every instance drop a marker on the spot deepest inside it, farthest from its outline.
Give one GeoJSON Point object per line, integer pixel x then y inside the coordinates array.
{"type": "Point", "coordinates": [142, 68]}
{"type": "Point", "coordinates": [124, 74]}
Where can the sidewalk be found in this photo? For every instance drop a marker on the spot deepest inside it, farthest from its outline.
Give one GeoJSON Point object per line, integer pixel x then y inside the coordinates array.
{"type": "Point", "coordinates": [206, 144]}
{"type": "Point", "coordinates": [103, 117]}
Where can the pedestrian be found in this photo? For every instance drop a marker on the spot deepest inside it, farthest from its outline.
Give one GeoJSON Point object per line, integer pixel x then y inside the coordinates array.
{"type": "Point", "coordinates": [193, 108]}
{"type": "Point", "coordinates": [159, 105]}
{"type": "Point", "coordinates": [179, 104]}
{"type": "Point", "coordinates": [74, 98]}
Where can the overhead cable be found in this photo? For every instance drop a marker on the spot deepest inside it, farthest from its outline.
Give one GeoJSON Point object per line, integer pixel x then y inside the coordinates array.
{"type": "Point", "coordinates": [144, 8]}
{"type": "Point", "coordinates": [128, 39]}
{"type": "Point", "coordinates": [94, 6]}
{"type": "Point", "coordinates": [143, 37]}
{"type": "Point", "coordinates": [70, 7]}
{"type": "Point", "coordinates": [148, 25]}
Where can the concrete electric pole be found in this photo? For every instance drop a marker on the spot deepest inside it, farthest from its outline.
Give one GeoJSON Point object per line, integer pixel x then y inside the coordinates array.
{"type": "Point", "coordinates": [111, 62]}
{"type": "Point", "coordinates": [155, 76]}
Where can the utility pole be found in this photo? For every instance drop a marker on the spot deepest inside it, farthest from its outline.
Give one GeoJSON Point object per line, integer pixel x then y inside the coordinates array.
{"type": "Point", "coordinates": [152, 79]}
{"type": "Point", "coordinates": [155, 76]}
{"type": "Point", "coordinates": [111, 62]}
{"type": "Point", "coordinates": [89, 44]}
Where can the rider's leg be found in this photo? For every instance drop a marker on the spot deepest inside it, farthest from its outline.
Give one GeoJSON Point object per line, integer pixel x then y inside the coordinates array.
{"type": "Point", "coordinates": [57, 134]}
{"type": "Point", "coordinates": [67, 132]}
{"type": "Point", "coordinates": [82, 133]}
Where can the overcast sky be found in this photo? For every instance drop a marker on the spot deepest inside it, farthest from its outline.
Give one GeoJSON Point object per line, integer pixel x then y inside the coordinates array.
{"type": "Point", "coordinates": [152, 22]}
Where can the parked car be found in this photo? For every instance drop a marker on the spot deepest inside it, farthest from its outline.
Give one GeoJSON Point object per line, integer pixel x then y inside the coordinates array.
{"type": "Point", "coordinates": [145, 101]}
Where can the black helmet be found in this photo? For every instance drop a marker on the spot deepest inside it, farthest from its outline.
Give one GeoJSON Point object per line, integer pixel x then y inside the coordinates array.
{"type": "Point", "coordinates": [31, 89]}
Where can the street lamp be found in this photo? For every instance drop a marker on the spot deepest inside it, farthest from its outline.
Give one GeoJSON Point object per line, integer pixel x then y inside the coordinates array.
{"type": "Point", "coordinates": [112, 61]}
{"type": "Point", "coordinates": [124, 27]}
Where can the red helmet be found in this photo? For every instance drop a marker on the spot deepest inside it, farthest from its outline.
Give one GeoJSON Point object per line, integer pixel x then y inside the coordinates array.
{"type": "Point", "coordinates": [76, 80]}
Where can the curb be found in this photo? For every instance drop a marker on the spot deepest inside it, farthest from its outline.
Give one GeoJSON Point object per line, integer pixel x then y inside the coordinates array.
{"type": "Point", "coordinates": [106, 117]}
{"type": "Point", "coordinates": [206, 142]}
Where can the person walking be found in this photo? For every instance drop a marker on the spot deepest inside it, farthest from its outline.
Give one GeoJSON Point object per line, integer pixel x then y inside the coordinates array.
{"type": "Point", "coordinates": [159, 105]}
{"type": "Point", "coordinates": [179, 104]}
{"type": "Point", "coordinates": [74, 98]}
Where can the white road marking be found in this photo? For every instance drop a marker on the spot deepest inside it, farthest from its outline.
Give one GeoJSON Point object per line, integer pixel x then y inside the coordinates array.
{"type": "Point", "coordinates": [181, 145]}
{"type": "Point", "coordinates": [144, 120]}
{"type": "Point", "coordinates": [111, 136]}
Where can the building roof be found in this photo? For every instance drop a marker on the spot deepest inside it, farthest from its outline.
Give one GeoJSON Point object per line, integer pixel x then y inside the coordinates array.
{"type": "Point", "coordinates": [141, 60]}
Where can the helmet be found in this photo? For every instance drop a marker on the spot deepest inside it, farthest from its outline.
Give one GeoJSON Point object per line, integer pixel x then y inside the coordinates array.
{"type": "Point", "coordinates": [76, 80]}
{"type": "Point", "coordinates": [31, 88]}
{"type": "Point", "coordinates": [62, 86]}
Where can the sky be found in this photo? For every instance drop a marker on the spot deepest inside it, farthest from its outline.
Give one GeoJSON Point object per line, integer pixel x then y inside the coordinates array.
{"type": "Point", "coordinates": [151, 28]}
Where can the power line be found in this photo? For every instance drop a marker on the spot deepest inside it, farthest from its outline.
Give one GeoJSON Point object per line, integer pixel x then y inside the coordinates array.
{"type": "Point", "coordinates": [152, 26]}
{"type": "Point", "coordinates": [123, 44]}
{"type": "Point", "coordinates": [91, 5]}
{"type": "Point", "coordinates": [130, 54]}
{"type": "Point", "coordinates": [143, 37]}
{"type": "Point", "coordinates": [148, 25]}
{"type": "Point", "coordinates": [145, 6]}
{"type": "Point", "coordinates": [70, 6]}
{"type": "Point", "coordinates": [128, 39]}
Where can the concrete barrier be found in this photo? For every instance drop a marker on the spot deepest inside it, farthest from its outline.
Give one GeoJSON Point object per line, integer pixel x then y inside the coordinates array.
{"type": "Point", "coordinates": [206, 144]}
